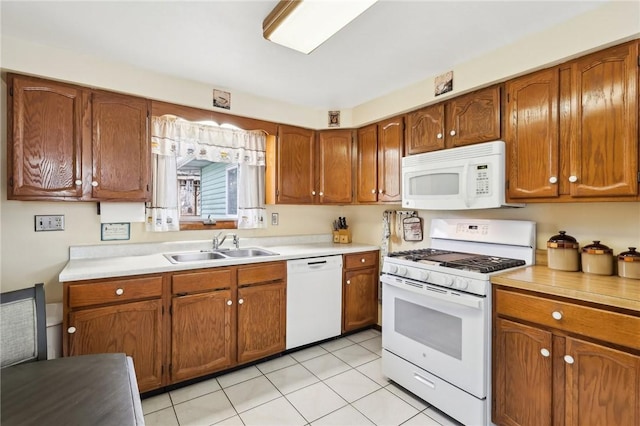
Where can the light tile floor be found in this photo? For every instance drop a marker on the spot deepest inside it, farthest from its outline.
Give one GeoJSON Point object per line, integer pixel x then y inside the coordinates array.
{"type": "Point", "coordinates": [336, 383]}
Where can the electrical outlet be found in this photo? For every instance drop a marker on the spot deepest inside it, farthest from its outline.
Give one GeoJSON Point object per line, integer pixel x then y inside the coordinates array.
{"type": "Point", "coordinates": [49, 223]}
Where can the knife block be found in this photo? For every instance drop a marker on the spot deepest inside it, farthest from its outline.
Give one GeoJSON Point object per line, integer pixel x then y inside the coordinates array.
{"type": "Point", "coordinates": [342, 236]}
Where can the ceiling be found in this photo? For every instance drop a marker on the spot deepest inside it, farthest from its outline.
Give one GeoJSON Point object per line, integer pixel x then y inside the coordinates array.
{"type": "Point", "coordinates": [390, 46]}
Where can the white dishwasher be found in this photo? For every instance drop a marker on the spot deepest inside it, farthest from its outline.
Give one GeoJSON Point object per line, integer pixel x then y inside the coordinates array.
{"type": "Point", "coordinates": [314, 299]}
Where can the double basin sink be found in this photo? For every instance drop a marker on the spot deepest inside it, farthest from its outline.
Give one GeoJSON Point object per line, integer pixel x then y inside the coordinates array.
{"type": "Point", "coordinates": [200, 256]}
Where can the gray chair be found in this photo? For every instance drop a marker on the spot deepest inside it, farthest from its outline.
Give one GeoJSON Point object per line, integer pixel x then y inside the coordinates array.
{"type": "Point", "coordinates": [23, 328]}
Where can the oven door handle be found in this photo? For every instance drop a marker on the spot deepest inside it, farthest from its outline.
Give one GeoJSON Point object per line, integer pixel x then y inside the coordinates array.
{"type": "Point", "coordinates": [474, 302]}
{"type": "Point", "coordinates": [468, 301]}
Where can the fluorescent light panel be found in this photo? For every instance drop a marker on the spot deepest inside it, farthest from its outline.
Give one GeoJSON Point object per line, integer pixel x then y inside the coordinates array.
{"type": "Point", "coordinates": [305, 24]}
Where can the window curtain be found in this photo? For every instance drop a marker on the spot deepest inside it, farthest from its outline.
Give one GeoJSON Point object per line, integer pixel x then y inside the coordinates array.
{"type": "Point", "coordinates": [172, 137]}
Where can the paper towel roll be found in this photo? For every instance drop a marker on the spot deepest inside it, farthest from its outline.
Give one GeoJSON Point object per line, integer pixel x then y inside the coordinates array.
{"type": "Point", "coordinates": [121, 212]}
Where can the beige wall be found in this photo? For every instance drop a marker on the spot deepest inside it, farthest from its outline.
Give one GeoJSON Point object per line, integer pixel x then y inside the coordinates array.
{"type": "Point", "coordinates": [28, 257]}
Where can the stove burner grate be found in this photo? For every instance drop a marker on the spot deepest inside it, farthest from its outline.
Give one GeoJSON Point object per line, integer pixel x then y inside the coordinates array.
{"type": "Point", "coordinates": [484, 264]}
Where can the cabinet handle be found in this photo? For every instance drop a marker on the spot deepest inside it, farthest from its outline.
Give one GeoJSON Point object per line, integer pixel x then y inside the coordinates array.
{"type": "Point", "coordinates": [545, 352]}
{"type": "Point", "coordinates": [313, 192]}
{"type": "Point", "coordinates": [229, 302]}
{"type": "Point", "coordinates": [78, 182]}
{"type": "Point", "coordinates": [119, 292]}
{"type": "Point", "coordinates": [240, 301]}
{"type": "Point", "coordinates": [553, 179]}
{"type": "Point", "coordinates": [94, 183]}
{"type": "Point", "coordinates": [363, 260]}
{"type": "Point", "coordinates": [568, 359]}
{"type": "Point", "coordinates": [71, 330]}
{"type": "Point", "coordinates": [321, 193]}
{"type": "Point", "coordinates": [348, 281]}
{"type": "Point", "coordinates": [380, 191]}
{"type": "Point", "coordinates": [452, 133]}
{"type": "Point", "coordinates": [439, 136]}
{"type": "Point", "coordinates": [373, 191]}
{"type": "Point", "coordinates": [573, 179]}
{"type": "Point", "coordinates": [556, 315]}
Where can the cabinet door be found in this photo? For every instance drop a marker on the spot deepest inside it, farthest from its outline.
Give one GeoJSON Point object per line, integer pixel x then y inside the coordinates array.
{"type": "Point", "coordinates": [367, 165]}
{"type": "Point", "coordinates": [390, 147]}
{"type": "Point", "coordinates": [335, 167]}
{"type": "Point", "coordinates": [44, 146]}
{"type": "Point", "coordinates": [360, 299]}
{"type": "Point", "coordinates": [603, 385]}
{"type": "Point", "coordinates": [473, 118]}
{"type": "Point", "coordinates": [121, 147]}
{"type": "Point", "coordinates": [532, 135]}
{"type": "Point", "coordinates": [261, 321]}
{"type": "Point", "coordinates": [425, 129]}
{"type": "Point", "coordinates": [522, 389]}
{"type": "Point", "coordinates": [132, 328]}
{"type": "Point", "coordinates": [202, 334]}
{"type": "Point", "coordinates": [295, 162]}
{"type": "Point", "coordinates": [604, 154]}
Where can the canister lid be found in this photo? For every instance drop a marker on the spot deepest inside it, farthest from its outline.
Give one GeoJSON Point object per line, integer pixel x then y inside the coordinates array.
{"type": "Point", "coordinates": [562, 240]}
{"type": "Point", "coordinates": [629, 256]}
{"type": "Point", "coordinates": [596, 248]}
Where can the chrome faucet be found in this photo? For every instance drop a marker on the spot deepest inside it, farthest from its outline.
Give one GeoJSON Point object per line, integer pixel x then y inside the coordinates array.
{"type": "Point", "coordinates": [217, 242]}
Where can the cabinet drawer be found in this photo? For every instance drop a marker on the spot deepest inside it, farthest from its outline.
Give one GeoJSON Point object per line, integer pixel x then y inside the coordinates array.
{"type": "Point", "coordinates": [122, 290]}
{"type": "Point", "coordinates": [262, 273]}
{"type": "Point", "coordinates": [608, 326]}
{"type": "Point", "coordinates": [360, 260]}
{"type": "Point", "coordinates": [202, 280]}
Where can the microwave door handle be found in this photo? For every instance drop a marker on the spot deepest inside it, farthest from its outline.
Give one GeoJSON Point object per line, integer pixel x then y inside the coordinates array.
{"type": "Point", "coordinates": [465, 174]}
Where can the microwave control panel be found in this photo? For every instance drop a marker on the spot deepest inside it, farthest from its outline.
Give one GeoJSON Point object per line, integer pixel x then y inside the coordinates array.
{"type": "Point", "coordinates": [482, 175]}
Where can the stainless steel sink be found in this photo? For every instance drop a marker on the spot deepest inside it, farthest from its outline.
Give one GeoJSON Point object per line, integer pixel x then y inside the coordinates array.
{"type": "Point", "coordinates": [249, 252]}
{"type": "Point", "coordinates": [193, 257]}
{"type": "Point", "coordinates": [217, 255]}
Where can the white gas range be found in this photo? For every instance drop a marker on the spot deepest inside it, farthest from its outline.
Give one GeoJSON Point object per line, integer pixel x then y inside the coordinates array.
{"type": "Point", "coordinates": [436, 308]}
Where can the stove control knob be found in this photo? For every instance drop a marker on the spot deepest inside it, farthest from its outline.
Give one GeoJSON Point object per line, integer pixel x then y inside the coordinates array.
{"type": "Point", "coordinates": [393, 269]}
{"type": "Point", "coordinates": [462, 283]}
{"type": "Point", "coordinates": [448, 281]}
{"type": "Point", "coordinates": [424, 276]}
{"type": "Point", "coordinates": [402, 271]}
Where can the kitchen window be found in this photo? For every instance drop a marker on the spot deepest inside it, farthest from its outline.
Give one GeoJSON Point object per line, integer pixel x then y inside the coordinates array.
{"type": "Point", "coordinates": [205, 173]}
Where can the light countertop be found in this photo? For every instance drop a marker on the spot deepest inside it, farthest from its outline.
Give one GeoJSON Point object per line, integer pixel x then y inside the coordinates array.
{"type": "Point", "coordinates": [93, 262]}
{"type": "Point", "coordinates": [623, 293]}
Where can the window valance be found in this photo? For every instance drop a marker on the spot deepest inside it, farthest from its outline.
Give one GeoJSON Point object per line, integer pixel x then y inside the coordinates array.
{"type": "Point", "coordinates": [173, 136]}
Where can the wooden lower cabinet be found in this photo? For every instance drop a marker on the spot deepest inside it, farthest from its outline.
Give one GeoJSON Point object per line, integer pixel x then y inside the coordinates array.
{"type": "Point", "coordinates": [261, 320]}
{"type": "Point", "coordinates": [201, 334]}
{"type": "Point", "coordinates": [134, 328]}
{"type": "Point", "coordinates": [360, 291]}
{"type": "Point", "coordinates": [544, 376]}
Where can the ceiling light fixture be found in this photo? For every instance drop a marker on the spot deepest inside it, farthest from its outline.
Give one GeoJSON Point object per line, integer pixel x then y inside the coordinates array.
{"type": "Point", "coordinates": [303, 25]}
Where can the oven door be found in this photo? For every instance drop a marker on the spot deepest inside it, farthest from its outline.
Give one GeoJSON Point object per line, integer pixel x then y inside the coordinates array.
{"type": "Point", "coordinates": [440, 330]}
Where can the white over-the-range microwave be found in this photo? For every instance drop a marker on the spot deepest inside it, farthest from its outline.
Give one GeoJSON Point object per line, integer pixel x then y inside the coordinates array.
{"type": "Point", "coordinates": [468, 177]}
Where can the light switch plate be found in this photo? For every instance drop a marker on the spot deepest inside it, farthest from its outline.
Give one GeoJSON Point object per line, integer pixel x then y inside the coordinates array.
{"type": "Point", "coordinates": [49, 222]}
{"type": "Point", "coordinates": [274, 219]}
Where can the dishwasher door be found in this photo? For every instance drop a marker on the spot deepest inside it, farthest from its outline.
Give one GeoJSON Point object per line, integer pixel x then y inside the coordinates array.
{"type": "Point", "coordinates": [314, 300]}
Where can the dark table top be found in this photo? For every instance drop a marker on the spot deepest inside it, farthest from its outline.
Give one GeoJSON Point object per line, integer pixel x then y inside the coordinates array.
{"type": "Point", "coordinates": [80, 390]}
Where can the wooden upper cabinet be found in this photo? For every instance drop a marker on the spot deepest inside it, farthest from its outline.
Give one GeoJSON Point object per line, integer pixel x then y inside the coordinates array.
{"type": "Point", "coordinates": [44, 146]}
{"type": "Point", "coordinates": [473, 118]}
{"type": "Point", "coordinates": [335, 174]}
{"type": "Point", "coordinates": [464, 120]}
{"type": "Point", "coordinates": [367, 165]}
{"type": "Point", "coordinates": [425, 129]}
{"type": "Point", "coordinates": [390, 149]}
{"type": "Point", "coordinates": [604, 154]}
{"type": "Point", "coordinates": [531, 134]}
{"type": "Point", "coordinates": [295, 165]}
{"type": "Point", "coordinates": [121, 147]}
{"type": "Point", "coordinates": [70, 143]}
{"type": "Point", "coordinates": [378, 164]}
{"type": "Point", "coordinates": [572, 130]}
